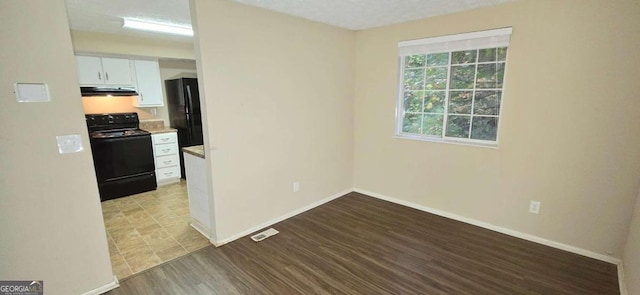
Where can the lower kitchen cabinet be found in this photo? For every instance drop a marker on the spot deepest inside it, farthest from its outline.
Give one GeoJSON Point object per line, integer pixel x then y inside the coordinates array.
{"type": "Point", "coordinates": [167, 159]}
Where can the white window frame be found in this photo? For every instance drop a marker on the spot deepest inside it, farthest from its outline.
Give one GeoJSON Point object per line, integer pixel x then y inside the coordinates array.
{"type": "Point", "coordinates": [450, 43]}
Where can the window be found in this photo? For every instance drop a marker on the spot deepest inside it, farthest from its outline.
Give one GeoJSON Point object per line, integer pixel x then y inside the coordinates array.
{"type": "Point", "coordinates": [451, 87]}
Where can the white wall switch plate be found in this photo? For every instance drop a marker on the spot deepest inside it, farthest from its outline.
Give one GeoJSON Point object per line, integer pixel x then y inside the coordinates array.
{"type": "Point", "coordinates": [296, 186]}
{"type": "Point", "coordinates": [32, 92]}
{"type": "Point", "coordinates": [71, 143]}
{"type": "Point", "coordinates": [263, 235]}
{"type": "Point", "coordinates": [534, 207]}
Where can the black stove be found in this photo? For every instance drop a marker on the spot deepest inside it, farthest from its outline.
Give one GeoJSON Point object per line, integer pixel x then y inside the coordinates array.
{"type": "Point", "coordinates": [118, 133]}
{"type": "Point", "coordinates": [122, 155]}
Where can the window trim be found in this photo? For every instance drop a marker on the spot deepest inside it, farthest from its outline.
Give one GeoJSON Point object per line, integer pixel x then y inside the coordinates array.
{"type": "Point", "coordinates": [399, 111]}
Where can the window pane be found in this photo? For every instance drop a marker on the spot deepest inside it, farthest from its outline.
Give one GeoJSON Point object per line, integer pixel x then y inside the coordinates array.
{"type": "Point", "coordinates": [413, 101]}
{"type": "Point", "coordinates": [414, 79]}
{"type": "Point", "coordinates": [438, 59]}
{"type": "Point", "coordinates": [415, 61]}
{"type": "Point", "coordinates": [458, 126]}
{"type": "Point", "coordinates": [499, 74]}
{"type": "Point", "coordinates": [463, 57]}
{"type": "Point", "coordinates": [436, 78]}
{"type": "Point", "coordinates": [502, 53]}
{"type": "Point", "coordinates": [411, 123]}
{"type": "Point", "coordinates": [460, 102]}
{"type": "Point", "coordinates": [434, 102]}
{"type": "Point", "coordinates": [484, 128]}
{"type": "Point", "coordinates": [487, 103]}
{"type": "Point", "coordinates": [486, 76]}
{"type": "Point", "coordinates": [462, 77]}
{"type": "Point", "coordinates": [432, 125]}
{"type": "Point", "coordinates": [488, 54]}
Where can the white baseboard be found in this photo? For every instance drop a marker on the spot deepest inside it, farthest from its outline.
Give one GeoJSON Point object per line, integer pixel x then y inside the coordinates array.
{"type": "Point", "coordinates": [621, 281]}
{"type": "Point", "coordinates": [280, 218]}
{"type": "Point", "coordinates": [168, 181]}
{"type": "Point", "coordinates": [105, 288]}
{"type": "Point", "coordinates": [200, 228]}
{"type": "Point", "coordinates": [496, 228]}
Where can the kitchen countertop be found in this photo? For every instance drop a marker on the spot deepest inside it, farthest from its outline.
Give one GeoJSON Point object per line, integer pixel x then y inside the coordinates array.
{"type": "Point", "coordinates": [160, 130]}
{"type": "Point", "coordinates": [196, 150]}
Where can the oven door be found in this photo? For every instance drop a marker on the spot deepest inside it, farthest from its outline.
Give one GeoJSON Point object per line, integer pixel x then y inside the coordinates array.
{"type": "Point", "coordinates": [119, 157]}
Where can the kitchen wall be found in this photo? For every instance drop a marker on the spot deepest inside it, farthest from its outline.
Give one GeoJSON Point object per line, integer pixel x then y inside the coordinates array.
{"type": "Point", "coordinates": [279, 108]}
{"type": "Point", "coordinates": [92, 42]}
{"type": "Point", "coordinates": [567, 138]}
{"type": "Point", "coordinates": [117, 104]}
{"type": "Point", "coordinates": [50, 217]}
{"type": "Point", "coordinates": [632, 252]}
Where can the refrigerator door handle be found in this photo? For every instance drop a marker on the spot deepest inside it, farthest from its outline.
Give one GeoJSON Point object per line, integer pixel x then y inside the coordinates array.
{"type": "Point", "coordinates": [189, 101]}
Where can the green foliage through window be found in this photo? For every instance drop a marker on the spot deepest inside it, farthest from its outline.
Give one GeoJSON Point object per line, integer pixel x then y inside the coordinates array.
{"type": "Point", "coordinates": [453, 94]}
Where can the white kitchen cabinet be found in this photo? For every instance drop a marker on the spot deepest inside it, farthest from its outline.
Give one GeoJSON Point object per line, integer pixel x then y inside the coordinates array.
{"type": "Point", "coordinates": [104, 71]}
{"type": "Point", "coordinates": [149, 84]}
{"type": "Point", "coordinates": [117, 71]}
{"type": "Point", "coordinates": [90, 70]}
{"type": "Point", "coordinates": [167, 159]}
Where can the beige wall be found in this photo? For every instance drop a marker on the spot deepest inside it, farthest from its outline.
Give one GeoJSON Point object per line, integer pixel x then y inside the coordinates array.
{"type": "Point", "coordinates": [93, 42]}
{"type": "Point", "coordinates": [120, 104]}
{"type": "Point", "coordinates": [568, 131]}
{"type": "Point", "coordinates": [50, 219]}
{"type": "Point", "coordinates": [632, 253]}
{"type": "Point", "coordinates": [279, 106]}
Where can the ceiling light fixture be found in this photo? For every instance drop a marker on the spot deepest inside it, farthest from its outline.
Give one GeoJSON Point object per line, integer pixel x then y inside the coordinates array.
{"type": "Point", "coordinates": [157, 27]}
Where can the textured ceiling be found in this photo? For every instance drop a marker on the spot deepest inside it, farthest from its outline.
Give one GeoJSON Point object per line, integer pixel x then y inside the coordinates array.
{"type": "Point", "coordinates": [363, 14]}
{"type": "Point", "coordinates": [106, 15]}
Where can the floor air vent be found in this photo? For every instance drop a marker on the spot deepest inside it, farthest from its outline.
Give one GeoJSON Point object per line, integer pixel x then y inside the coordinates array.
{"type": "Point", "coordinates": [263, 235]}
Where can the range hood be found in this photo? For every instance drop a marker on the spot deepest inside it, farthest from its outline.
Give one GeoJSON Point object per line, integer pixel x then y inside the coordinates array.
{"type": "Point", "coordinates": [106, 91]}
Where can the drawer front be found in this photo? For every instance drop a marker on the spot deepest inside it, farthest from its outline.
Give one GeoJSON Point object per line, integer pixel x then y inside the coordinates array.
{"type": "Point", "coordinates": [167, 161]}
{"type": "Point", "coordinates": [167, 173]}
{"type": "Point", "coordinates": [165, 149]}
{"type": "Point", "coordinates": [162, 138]}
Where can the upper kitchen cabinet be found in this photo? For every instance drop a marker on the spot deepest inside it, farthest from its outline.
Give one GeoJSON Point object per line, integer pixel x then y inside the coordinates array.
{"type": "Point", "coordinates": [149, 84]}
{"type": "Point", "coordinates": [100, 71]}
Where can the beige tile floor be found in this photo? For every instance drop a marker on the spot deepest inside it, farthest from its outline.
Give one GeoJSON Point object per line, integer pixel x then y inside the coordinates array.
{"type": "Point", "coordinates": [147, 229]}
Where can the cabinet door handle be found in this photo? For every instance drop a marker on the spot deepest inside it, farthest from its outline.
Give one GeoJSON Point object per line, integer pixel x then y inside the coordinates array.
{"type": "Point", "coordinates": [141, 97]}
{"type": "Point", "coordinates": [165, 139]}
{"type": "Point", "coordinates": [167, 162]}
{"type": "Point", "coordinates": [168, 173]}
{"type": "Point", "coordinates": [106, 75]}
{"type": "Point", "coordinates": [99, 76]}
{"type": "Point", "coordinates": [166, 150]}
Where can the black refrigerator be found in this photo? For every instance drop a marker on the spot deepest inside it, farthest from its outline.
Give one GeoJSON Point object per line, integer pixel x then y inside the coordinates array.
{"type": "Point", "coordinates": [183, 103]}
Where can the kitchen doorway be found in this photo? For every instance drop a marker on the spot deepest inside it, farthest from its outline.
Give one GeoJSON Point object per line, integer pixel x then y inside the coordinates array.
{"type": "Point", "coordinates": [148, 229]}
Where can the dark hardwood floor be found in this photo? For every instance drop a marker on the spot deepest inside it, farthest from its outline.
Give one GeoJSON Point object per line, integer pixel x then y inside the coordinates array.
{"type": "Point", "coordinates": [361, 245]}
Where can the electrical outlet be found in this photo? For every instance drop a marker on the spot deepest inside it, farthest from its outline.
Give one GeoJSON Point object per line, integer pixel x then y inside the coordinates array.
{"type": "Point", "coordinates": [296, 186]}
{"type": "Point", "coordinates": [534, 207]}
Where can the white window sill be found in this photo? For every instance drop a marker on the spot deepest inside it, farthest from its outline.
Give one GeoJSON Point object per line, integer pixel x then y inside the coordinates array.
{"type": "Point", "coordinates": [447, 141]}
